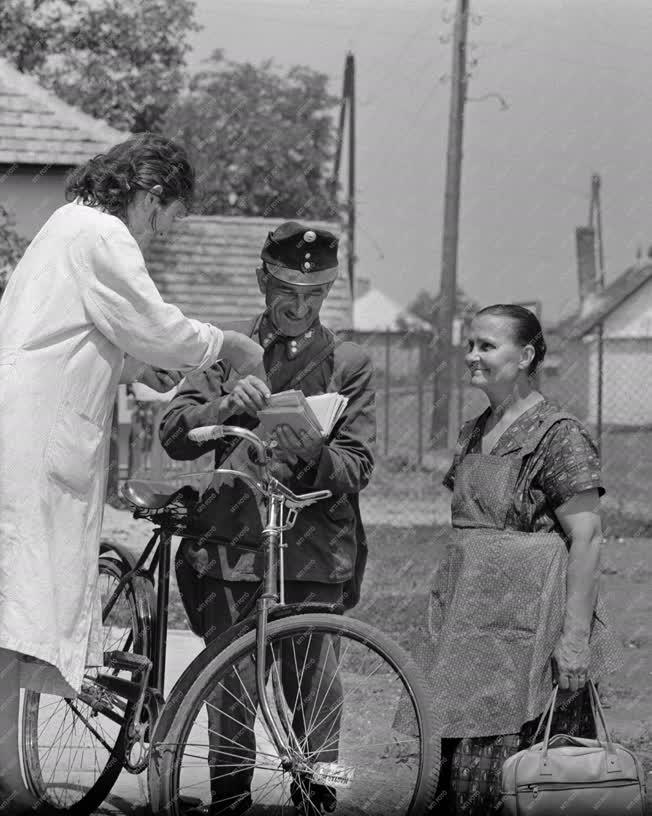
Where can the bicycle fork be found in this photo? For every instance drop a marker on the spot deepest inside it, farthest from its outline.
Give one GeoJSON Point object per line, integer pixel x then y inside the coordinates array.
{"type": "Point", "coordinates": [272, 538]}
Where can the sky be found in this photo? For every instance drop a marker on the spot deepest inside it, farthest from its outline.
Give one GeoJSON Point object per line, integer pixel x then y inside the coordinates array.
{"type": "Point", "coordinates": [575, 77]}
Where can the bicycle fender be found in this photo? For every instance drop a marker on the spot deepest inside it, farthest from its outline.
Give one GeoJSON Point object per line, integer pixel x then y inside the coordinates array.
{"type": "Point", "coordinates": [305, 608]}
{"type": "Point", "coordinates": [127, 557]}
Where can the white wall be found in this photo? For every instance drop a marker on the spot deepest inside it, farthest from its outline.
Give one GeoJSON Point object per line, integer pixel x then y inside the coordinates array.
{"type": "Point", "coordinates": [30, 195]}
{"type": "Point", "coordinates": [634, 317]}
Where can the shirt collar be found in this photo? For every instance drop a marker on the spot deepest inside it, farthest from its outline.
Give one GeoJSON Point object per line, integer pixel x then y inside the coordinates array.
{"type": "Point", "coordinates": [269, 334]}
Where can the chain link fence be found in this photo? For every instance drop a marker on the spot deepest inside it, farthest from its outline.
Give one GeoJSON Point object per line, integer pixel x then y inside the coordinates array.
{"type": "Point", "coordinates": [605, 381]}
{"type": "Point", "coordinates": [406, 470]}
{"type": "Point", "coordinates": [609, 390]}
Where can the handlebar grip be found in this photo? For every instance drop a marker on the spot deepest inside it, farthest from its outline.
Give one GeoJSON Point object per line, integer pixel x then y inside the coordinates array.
{"type": "Point", "coordinates": [206, 434]}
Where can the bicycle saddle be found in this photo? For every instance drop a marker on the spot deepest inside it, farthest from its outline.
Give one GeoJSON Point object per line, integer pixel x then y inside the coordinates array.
{"type": "Point", "coordinates": [150, 495]}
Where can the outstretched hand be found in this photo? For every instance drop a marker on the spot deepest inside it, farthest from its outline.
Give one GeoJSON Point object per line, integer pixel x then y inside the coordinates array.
{"type": "Point", "coordinates": [159, 379]}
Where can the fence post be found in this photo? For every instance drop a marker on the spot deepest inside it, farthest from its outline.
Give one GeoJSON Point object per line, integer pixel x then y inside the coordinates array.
{"type": "Point", "coordinates": [460, 388]}
{"type": "Point", "coordinates": [388, 339]}
{"type": "Point", "coordinates": [420, 379]}
{"type": "Point", "coordinates": [600, 393]}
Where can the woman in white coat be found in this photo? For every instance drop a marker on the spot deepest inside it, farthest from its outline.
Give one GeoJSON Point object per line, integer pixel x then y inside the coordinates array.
{"type": "Point", "coordinates": [79, 316]}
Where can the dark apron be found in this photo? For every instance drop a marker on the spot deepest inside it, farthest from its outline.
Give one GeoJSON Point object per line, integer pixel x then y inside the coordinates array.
{"type": "Point", "coordinates": [497, 605]}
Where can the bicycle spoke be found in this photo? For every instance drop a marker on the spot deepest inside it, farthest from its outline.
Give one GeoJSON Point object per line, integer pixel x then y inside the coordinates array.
{"type": "Point", "coordinates": [68, 742]}
{"type": "Point", "coordinates": [91, 728]}
{"type": "Point", "coordinates": [333, 695]}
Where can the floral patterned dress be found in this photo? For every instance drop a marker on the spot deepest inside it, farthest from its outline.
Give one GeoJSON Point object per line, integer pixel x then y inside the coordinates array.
{"type": "Point", "coordinates": [563, 463]}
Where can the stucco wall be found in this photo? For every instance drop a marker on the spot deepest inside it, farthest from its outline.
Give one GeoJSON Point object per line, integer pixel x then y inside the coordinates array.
{"type": "Point", "coordinates": [633, 318]}
{"type": "Point", "coordinates": [31, 194]}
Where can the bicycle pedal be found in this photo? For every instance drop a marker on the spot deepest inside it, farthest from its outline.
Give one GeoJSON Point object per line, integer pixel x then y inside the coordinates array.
{"type": "Point", "coordinates": [129, 661]}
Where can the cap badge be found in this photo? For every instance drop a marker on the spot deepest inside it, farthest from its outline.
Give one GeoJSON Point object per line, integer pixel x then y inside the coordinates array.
{"type": "Point", "coordinates": [309, 236]}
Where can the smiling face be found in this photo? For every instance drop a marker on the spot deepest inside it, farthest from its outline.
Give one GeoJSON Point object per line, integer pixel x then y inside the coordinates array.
{"type": "Point", "coordinates": [496, 362]}
{"type": "Point", "coordinates": [291, 309]}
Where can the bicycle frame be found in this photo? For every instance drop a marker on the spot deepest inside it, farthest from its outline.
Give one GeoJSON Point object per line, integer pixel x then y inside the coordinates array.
{"type": "Point", "coordinates": [272, 597]}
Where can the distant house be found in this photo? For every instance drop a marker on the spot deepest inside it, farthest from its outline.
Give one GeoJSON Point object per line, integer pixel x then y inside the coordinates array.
{"type": "Point", "coordinates": [41, 139]}
{"type": "Point", "coordinates": [624, 310]}
{"type": "Point", "coordinates": [374, 311]}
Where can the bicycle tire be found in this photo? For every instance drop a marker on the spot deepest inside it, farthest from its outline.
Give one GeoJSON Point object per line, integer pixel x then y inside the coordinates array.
{"type": "Point", "coordinates": [139, 599]}
{"type": "Point", "coordinates": [187, 698]}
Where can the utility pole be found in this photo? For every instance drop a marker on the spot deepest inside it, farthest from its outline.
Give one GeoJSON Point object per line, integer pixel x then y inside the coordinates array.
{"type": "Point", "coordinates": [445, 370]}
{"type": "Point", "coordinates": [347, 106]}
{"type": "Point", "coordinates": [595, 222]}
{"type": "Point", "coordinates": [350, 62]}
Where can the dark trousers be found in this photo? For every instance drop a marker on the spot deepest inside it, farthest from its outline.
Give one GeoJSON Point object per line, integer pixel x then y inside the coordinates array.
{"type": "Point", "coordinates": [314, 704]}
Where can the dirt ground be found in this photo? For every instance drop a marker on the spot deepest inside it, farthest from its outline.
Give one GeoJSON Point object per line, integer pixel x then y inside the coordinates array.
{"type": "Point", "coordinates": [401, 560]}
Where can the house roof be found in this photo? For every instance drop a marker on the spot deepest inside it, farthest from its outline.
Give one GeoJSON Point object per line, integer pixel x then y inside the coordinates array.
{"type": "Point", "coordinates": [376, 311]}
{"type": "Point", "coordinates": [602, 304]}
{"type": "Point", "coordinates": [36, 127]}
{"type": "Point", "coordinates": [206, 266]}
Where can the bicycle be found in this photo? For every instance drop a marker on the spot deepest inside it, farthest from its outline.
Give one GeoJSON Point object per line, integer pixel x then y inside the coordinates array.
{"type": "Point", "coordinates": [256, 720]}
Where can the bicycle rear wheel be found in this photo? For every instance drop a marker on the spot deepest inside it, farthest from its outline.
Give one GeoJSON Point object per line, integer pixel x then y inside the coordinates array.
{"type": "Point", "coordinates": [354, 711]}
{"type": "Point", "coordinates": [73, 749]}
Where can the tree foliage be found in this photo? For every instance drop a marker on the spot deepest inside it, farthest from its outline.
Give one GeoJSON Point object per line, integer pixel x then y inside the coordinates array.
{"type": "Point", "coordinates": [426, 306]}
{"type": "Point", "coordinates": [119, 60]}
{"type": "Point", "coordinates": [262, 141]}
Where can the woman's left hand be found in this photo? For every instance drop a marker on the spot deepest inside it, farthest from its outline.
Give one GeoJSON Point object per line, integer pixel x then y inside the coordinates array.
{"type": "Point", "coordinates": [160, 380]}
{"type": "Point", "coordinates": [571, 656]}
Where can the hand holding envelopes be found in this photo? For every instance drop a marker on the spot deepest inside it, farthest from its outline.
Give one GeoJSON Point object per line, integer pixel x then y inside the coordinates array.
{"type": "Point", "coordinates": [318, 413]}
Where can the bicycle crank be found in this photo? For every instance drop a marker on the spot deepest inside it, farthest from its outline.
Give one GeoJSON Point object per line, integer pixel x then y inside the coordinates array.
{"type": "Point", "coordinates": [148, 703]}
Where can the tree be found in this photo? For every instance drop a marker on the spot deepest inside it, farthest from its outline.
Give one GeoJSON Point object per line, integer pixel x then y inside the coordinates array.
{"type": "Point", "coordinates": [12, 246]}
{"type": "Point", "coordinates": [118, 60]}
{"type": "Point", "coordinates": [262, 141]}
{"type": "Point", "coordinates": [426, 306]}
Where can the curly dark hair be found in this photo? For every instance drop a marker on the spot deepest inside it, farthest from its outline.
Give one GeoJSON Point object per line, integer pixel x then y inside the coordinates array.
{"type": "Point", "coordinates": [111, 180]}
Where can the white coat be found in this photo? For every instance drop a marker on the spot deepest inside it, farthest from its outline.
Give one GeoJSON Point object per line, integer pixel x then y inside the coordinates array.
{"type": "Point", "coordinates": [79, 301]}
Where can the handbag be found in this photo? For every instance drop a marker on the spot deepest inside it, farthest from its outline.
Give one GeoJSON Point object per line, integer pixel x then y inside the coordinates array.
{"type": "Point", "coordinates": [572, 775]}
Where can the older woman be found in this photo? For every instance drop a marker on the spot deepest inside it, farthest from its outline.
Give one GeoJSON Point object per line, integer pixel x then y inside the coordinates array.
{"type": "Point", "coordinates": [80, 315]}
{"type": "Point", "coordinates": [515, 602]}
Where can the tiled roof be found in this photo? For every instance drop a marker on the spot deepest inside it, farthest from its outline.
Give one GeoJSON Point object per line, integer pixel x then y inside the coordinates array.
{"type": "Point", "coordinates": [206, 266]}
{"type": "Point", "coordinates": [36, 127]}
{"type": "Point", "coordinates": [603, 303]}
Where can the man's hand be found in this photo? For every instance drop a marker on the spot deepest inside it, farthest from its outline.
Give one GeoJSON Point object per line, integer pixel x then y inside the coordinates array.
{"type": "Point", "coordinates": [571, 657]}
{"type": "Point", "coordinates": [160, 380]}
{"type": "Point", "coordinates": [249, 395]}
{"type": "Point", "coordinates": [306, 445]}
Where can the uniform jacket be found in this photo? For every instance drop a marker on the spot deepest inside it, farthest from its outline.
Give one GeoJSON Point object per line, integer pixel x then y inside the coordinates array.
{"type": "Point", "coordinates": [79, 299]}
{"type": "Point", "coordinates": [327, 536]}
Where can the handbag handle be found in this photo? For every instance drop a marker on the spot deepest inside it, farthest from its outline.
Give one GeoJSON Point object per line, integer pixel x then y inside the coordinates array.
{"type": "Point", "coordinates": [598, 714]}
{"type": "Point", "coordinates": [598, 719]}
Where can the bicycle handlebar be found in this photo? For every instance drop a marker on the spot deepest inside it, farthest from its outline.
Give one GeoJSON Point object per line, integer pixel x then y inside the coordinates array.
{"type": "Point", "coordinates": [209, 433]}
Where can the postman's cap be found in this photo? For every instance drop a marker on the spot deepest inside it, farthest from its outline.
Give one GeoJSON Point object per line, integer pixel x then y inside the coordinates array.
{"type": "Point", "coordinates": [301, 255]}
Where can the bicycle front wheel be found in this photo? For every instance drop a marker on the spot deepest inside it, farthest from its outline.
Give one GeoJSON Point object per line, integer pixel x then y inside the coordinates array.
{"type": "Point", "coordinates": [352, 708]}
